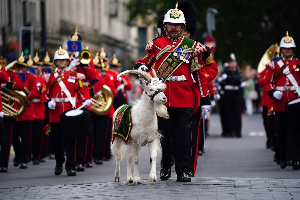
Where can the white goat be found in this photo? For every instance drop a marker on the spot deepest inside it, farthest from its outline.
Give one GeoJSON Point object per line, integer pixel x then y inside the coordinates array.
{"type": "Point", "coordinates": [144, 127]}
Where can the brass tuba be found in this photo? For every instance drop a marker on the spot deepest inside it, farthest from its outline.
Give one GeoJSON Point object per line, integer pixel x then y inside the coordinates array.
{"type": "Point", "coordinates": [271, 52]}
{"type": "Point", "coordinates": [14, 103]}
{"type": "Point", "coordinates": [101, 103]}
{"type": "Point", "coordinates": [85, 56]}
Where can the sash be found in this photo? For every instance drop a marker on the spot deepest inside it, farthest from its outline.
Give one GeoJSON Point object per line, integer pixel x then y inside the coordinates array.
{"type": "Point", "coordinates": [65, 90]}
{"type": "Point", "coordinates": [175, 59]}
{"type": "Point", "coordinates": [290, 77]}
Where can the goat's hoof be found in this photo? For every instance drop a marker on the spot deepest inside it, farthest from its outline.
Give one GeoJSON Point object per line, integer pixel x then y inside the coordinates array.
{"type": "Point", "coordinates": [130, 180]}
{"type": "Point", "coordinates": [137, 182]}
{"type": "Point", "coordinates": [153, 179]}
{"type": "Point", "coordinates": [117, 178]}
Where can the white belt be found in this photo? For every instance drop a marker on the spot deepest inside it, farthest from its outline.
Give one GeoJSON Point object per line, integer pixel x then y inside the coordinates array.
{"type": "Point", "coordinates": [60, 100]}
{"type": "Point", "coordinates": [231, 87]}
{"type": "Point", "coordinates": [286, 88]}
{"type": "Point", "coordinates": [35, 100]}
{"type": "Point", "coordinates": [294, 101]}
{"type": "Point", "coordinates": [177, 78]}
{"type": "Point", "coordinates": [85, 83]}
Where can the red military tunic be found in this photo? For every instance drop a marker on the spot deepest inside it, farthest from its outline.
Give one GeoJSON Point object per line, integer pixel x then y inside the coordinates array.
{"type": "Point", "coordinates": [91, 81]}
{"type": "Point", "coordinates": [177, 89]}
{"type": "Point", "coordinates": [3, 79]}
{"type": "Point", "coordinates": [113, 76]}
{"type": "Point", "coordinates": [282, 81]}
{"type": "Point", "coordinates": [33, 92]}
{"type": "Point", "coordinates": [38, 103]}
{"type": "Point", "coordinates": [71, 81]}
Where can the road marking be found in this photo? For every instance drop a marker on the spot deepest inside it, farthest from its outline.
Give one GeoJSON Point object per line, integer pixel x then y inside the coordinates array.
{"type": "Point", "coordinates": [261, 133]}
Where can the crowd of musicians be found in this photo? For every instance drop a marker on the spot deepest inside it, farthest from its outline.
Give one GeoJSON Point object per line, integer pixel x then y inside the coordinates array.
{"type": "Point", "coordinates": [59, 118]}
{"type": "Point", "coordinates": [45, 90]}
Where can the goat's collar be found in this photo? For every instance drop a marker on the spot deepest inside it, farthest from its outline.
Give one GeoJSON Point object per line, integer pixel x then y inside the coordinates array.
{"type": "Point", "coordinates": [154, 94]}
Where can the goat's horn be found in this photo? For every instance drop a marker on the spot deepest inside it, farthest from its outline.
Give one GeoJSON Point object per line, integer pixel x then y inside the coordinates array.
{"type": "Point", "coordinates": [154, 73]}
{"type": "Point", "coordinates": [145, 75]}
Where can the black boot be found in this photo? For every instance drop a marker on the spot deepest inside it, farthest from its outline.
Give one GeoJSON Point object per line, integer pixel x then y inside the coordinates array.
{"type": "Point", "coordinates": [183, 178]}
{"type": "Point", "coordinates": [165, 174]}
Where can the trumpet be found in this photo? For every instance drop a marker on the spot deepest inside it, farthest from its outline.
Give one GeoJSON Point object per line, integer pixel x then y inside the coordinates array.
{"type": "Point", "coordinates": [101, 103]}
{"type": "Point", "coordinates": [85, 56]}
{"type": "Point", "coordinates": [14, 103]}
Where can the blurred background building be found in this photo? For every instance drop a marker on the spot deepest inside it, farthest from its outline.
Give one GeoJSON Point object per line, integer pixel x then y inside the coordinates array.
{"type": "Point", "coordinates": [101, 23]}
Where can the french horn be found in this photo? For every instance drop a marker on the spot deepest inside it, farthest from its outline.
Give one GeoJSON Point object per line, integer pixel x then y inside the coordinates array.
{"type": "Point", "coordinates": [101, 103]}
{"type": "Point", "coordinates": [271, 52]}
{"type": "Point", "coordinates": [14, 103]}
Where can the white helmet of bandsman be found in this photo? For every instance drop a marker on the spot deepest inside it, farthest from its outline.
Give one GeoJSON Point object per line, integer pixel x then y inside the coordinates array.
{"type": "Point", "coordinates": [287, 42]}
{"type": "Point", "coordinates": [174, 16]}
{"type": "Point", "coordinates": [61, 58]}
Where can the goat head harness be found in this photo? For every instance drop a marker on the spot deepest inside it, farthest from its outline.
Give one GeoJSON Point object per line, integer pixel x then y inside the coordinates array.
{"type": "Point", "coordinates": [154, 82]}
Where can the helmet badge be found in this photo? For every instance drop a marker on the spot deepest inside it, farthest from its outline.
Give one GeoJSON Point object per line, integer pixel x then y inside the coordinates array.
{"type": "Point", "coordinates": [175, 12]}
{"type": "Point", "coordinates": [287, 38]}
{"type": "Point", "coordinates": [61, 51]}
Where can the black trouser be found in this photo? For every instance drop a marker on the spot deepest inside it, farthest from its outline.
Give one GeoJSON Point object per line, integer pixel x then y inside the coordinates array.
{"type": "Point", "coordinates": [266, 122]}
{"type": "Point", "coordinates": [293, 113]}
{"type": "Point", "coordinates": [21, 140]}
{"type": "Point", "coordinates": [5, 140]}
{"type": "Point", "coordinates": [90, 142]}
{"type": "Point", "coordinates": [197, 137]}
{"type": "Point", "coordinates": [177, 128]}
{"type": "Point", "coordinates": [101, 136]}
{"type": "Point", "coordinates": [61, 144]}
{"type": "Point", "coordinates": [231, 113]}
{"type": "Point", "coordinates": [282, 134]}
{"type": "Point", "coordinates": [37, 138]}
{"type": "Point", "coordinates": [273, 134]}
{"type": "Point", "coordinates": [81, 148]}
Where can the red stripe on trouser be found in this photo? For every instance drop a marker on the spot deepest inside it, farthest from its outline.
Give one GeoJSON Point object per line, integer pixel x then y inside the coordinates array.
{"type": "Point", "coordinates": [11, 132]}
{"type": "Point", "coordinates": [41, 146]}
{"type": "Point", "coordinates": [196, 153]}
{"type": "Point", "coordinates": [75, 152]}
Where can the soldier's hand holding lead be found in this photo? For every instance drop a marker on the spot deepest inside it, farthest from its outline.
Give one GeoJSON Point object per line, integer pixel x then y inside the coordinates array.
{"type": "Point", "coordinates": [277, 95]}
{"type": "Point", "coordinates": [86, 103]}
{"type": "Point", "coordinates": [51, 105]}
{"type": "Point", "coordinates": [143, 68]}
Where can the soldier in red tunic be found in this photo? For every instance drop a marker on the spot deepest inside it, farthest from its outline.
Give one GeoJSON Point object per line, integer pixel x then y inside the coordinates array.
{"type": "Point", "coordinates": [21, 137]}
{"type": "Point", "coordinates": [65, 93]}
{"type": "Point", "coordinates": [282, 84]}
{"type": "Point", "coordinates": [3, 80]}
{"type": "Point", "coordinates": [175, 57]}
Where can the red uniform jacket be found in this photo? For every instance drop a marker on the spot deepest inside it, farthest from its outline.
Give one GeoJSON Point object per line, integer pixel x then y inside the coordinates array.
{"type": "Point", "coordinates": [56, 94]}
{"type": "Point", "coordinates": [91, 81]}
{"type": "Point", "coordinates": [178, 93]}
{"type": "Point", "coordinates": [38, 103]}
{"type": "Point", "coordinates": [110, 83]}
{"type": "Point", "coordinates": [265, 98]}
{"type": "Point", "coordinates": [281, 81]}
{"type": "Point", "coordinates": [33, 92]}
{"type": "Point", "coordinates": [3, 79]}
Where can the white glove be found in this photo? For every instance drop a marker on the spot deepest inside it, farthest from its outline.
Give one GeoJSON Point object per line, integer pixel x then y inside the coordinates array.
{"type": "Point", "coordinates": [3, 84]}
{"type": "Point", "coordinates": [76, 54]}
{"type": "Point", "coordinates": [213, 103]}
{"type": "Point", "coordinates": [277, 95]}
{"type": "Point", "coordinates": [217, 96]}
{"type": "Point", "coordinates": [286, 71]}
{"type": "Point", "coordinates": [220, 79]}
{"type": "Point", "coordinates": [243, 84]}
{"type": "Point", "coordinates": [1, 114]}
{"type": "Point", "coordinates": [205, 110]}
{"type": "Point", "coordinates": [120, 87]}
{"type": "Point", "coordinates": [51, 105]}
{"type": "Point", "coordinates": [86, 103]}
{"type": "Point", "coordinates": [143, 68]}
{"type": "Point", "coordinates": [270, 65]}
{"type": "Point", "coordinates": [74, 63]}
{"type": "Point", "coordinates": [224, 76]}
{"type": "Point", "coordinates": [99, 92]}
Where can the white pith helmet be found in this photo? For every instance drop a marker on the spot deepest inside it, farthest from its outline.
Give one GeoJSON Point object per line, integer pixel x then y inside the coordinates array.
{"type": "Point", "coordinates": [287, 42]}
{"type": "Point", "coordinates": [175, 16]}
{"type": "Point", "coordinates": [61, 54]}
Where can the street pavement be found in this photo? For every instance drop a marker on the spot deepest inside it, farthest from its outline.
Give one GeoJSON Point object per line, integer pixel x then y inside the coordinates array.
{"type": "Point", "coordinates": [231, 168]}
